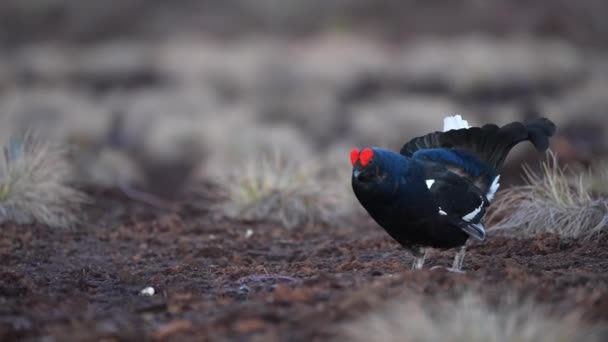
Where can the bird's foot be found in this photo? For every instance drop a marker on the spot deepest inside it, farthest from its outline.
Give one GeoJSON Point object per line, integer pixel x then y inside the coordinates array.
{"type": "Point", "coordinates": [418, 263]}
{"type": "Point", "coordinates": [419, 258]}
{"type": "Point", "coordinates": [449, 269]}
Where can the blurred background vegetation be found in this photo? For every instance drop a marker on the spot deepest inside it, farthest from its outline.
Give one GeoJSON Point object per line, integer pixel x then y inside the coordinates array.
{"type": "Point", "coordinates": [155, 93]}
{"type": "Point", "coordinates": [29, 21]}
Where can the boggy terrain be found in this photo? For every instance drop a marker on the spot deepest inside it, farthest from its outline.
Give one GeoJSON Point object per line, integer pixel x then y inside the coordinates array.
{"type": "Point", "coordinates": [221, 279]}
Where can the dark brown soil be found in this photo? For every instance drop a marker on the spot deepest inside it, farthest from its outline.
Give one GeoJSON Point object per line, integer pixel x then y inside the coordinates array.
{"type": "Point", "coordinates": [214, 283]}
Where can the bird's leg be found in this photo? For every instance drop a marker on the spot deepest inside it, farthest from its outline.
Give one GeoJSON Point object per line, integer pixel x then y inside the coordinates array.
{"type": "Point", "coordinates": [458, 260]}
{"type": "Point", "coordinates": [419, 257]}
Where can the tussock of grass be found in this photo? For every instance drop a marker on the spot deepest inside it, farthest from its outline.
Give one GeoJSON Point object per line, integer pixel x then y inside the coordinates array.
{"type": "Point", "coordinates": [554, 200]}
{"type": "Point", "coordinates": [598, 180]}
{"type": "Point", "coordinates": [468, 319]}
{"type": "Point", "coordinates": [284, 191]}
{"type": "Point", "coordinates": [33, 184]}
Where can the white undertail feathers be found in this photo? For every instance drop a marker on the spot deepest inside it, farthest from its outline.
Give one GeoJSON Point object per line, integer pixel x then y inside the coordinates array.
{"type": "Point", "coordinates": [454, 122]}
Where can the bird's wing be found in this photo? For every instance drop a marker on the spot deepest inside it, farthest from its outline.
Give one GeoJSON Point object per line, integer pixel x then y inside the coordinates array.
{"type": "Point", "coordinates": [460, 162]}
{"type": "Point", "coordinates": [459, 202]}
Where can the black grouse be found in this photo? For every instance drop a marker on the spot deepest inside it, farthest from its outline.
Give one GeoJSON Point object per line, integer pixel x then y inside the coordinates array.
{"type": "Point", "coordinates": [435, 192]}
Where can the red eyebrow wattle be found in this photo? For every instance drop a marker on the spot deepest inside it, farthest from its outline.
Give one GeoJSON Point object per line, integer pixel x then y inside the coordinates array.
{"type": "Point", "coordinates": [365, 156]}
{"type": "Point", "coordinates": [354, 156]}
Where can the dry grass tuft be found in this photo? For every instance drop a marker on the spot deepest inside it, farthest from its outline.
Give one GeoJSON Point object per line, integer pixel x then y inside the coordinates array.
{"type": "Point", "coordinates": [33, 184]}
{"type": "Point", "coordinates": [468, 319]}
{"type": "Point", "coordinates": [276, 189]}
{"type": "Point", "coordinates": [598, 179]}
{"type": "Point", "coordinates": [554, 200]}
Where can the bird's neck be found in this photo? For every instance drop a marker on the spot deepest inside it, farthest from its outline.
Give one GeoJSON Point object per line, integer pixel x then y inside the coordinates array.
{"type": "Point", "coordinates": [409, 195]}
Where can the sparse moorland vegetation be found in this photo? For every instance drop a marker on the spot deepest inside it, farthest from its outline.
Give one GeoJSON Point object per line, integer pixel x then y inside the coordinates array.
{"type": "Point", "coordinates": [34, 184]}
{"type": "Point", "coordinates": [557, 200]}
{"type": "Point", "coordinates": [468, 319]}
{"type": "Point", "coordinates": [278, 189]}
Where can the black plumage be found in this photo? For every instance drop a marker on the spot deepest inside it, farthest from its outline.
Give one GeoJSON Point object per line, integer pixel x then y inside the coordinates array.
{"type": "Point", "coordinates": [436, 191]}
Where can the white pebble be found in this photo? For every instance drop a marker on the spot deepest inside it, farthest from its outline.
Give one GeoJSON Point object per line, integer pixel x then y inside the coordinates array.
{"type": "Point", "coordinates": [248, 233]}
{"type": "Point", "coordinates": [148, 291]}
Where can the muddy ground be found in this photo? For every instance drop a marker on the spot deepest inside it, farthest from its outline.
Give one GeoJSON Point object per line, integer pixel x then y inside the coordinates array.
{"type": "Point", "coordinates": [213, 280]}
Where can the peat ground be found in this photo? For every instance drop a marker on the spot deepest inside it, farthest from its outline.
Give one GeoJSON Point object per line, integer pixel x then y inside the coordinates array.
{"type": "Point", "coordinates": [214, 280]}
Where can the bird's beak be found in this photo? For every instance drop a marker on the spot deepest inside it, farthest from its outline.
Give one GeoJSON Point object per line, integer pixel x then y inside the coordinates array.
{"type": "Point", "coordinates": [356, 173]}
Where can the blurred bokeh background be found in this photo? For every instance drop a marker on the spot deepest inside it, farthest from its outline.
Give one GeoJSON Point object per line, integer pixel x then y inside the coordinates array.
{"type": "Point", "coordinates": [158, 92]}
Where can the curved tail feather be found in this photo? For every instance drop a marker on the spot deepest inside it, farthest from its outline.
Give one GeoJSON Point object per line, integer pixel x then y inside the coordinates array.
{"type": "Point", "coordinates": [489, 143]}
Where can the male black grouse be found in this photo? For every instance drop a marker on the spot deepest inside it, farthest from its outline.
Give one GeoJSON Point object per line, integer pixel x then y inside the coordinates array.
{"type": "Point", "coordinates": [435, 192]}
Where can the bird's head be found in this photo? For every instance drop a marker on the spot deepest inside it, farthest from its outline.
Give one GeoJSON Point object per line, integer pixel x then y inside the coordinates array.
{"type": "Point", "coordinates": [374, 171]}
